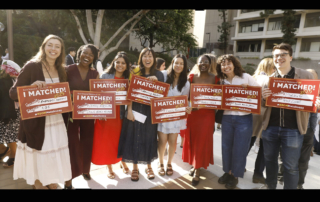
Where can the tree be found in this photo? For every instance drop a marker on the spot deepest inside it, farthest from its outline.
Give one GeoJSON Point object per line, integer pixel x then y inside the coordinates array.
{"type": "Point", "coordinates": [287, 24]}
{"type": "Point", "coordinates": [32, 26]}
{"type": "Point", "coordinates": [168, 28]}
{"type": "Point", "coordinates": [94, 34]}
{"type": "Point", "coordinates": [224, 29]}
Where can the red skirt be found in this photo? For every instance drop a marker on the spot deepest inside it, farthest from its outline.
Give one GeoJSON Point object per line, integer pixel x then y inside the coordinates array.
{"type": "Point", "coordinates": [106, 140]}
{"type": "Point", "coordinates": [198, 138]}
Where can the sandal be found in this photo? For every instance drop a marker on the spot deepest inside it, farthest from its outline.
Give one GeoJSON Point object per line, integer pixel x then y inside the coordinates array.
{"type": "Point", "coordinates": [111, 175]}
{"type": "Point", "coordinates": [4, 154]}
{"type": "Point", "coordinates": [150, 173]}
{"type": "Point", "coordinates": [161, 170]}
{"type": "Point", "coordinates": [135, 175]}
{"type": "Point", "coordinates": [52, 186]}
{"type": "Point", "coordinates": [9, 163]}
{"type": "Point", "coordinates": [196, 182]}
{"type": "Point", "coordinates": [125, 170]}
{"type": "Point", "coordinates": [169, 171]}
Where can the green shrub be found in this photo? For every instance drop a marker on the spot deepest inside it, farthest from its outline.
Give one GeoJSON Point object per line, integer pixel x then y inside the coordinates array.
{"type": "Point", "coordinates": [249, 69]}
{"type": "Point", "coordinates": [301, 58]}
{"type": "Point", "coordinates": [194, 60]}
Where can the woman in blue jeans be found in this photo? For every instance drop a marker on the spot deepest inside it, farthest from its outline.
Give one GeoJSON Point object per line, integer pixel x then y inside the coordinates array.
{"type": "Point", "coordinates": [237, 126]}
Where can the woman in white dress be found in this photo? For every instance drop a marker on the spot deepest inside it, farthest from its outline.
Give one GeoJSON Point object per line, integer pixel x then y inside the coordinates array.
{"type": "Point", "coordinates": [176, 76]}
{"type": "Point", "coordinates": [42, 156]}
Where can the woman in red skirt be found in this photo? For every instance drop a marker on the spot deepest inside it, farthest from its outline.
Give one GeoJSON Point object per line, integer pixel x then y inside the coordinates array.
{"type": "Point", "coordinates": [107, 132]}
{"type": "Point", "coordinates": [198, 138]}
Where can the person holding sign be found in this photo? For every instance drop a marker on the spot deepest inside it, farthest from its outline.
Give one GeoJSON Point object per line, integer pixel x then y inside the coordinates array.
{"type": "Point", "coordinates": [176, 76]}
{"type": "Point", "coordinates": [138, 141]}
{"type": "Point", "coordinates": [283, 127]}
{"type": "Point", "coordinates": [265, 68]}
{"type": "Point", "coordinates": [198, 140]}
{"type": "Point", "coordinates": [42, 156]}
{"type": "Point", "coordinates": [107, 132]}
{"type": "Point", "coordinates": [78, 76]}
{"type": "Point", "coordinates": [237, 126]}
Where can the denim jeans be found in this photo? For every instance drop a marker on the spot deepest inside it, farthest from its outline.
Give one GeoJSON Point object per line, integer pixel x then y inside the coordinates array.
{"type": "Point", "coordinates": [290, 141]}
{"type": "Point", "coordinates": [236, 137]}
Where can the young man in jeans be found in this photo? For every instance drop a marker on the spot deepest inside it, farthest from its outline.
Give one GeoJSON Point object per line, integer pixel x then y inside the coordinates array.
{"type": "Point", "coordinates": [283, 127]}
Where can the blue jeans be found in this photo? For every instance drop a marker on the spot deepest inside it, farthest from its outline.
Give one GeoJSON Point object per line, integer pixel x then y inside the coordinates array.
{"type": "Point", "coordinates": [236, 138]}
{"type": "Point", "coordinates": [290, 141]}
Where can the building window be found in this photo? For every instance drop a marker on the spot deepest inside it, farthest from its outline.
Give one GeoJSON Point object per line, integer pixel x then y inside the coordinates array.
{"type": "Point", "coordinates": [270, 44]}
{"type": "Point", "coordinates": [249, 46]}
{"type": "Point", "coordinates": [275, 23]}
{"type": "Point", "coordinates": [312, 20]}
{"type": "Point", "coordinates": [249, 10]}
{"type": "Point", "coordinates": [251, 26]}
{"type": "Point", "coordinates": [310, 44]}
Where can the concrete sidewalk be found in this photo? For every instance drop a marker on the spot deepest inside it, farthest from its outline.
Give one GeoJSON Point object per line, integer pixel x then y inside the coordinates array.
{"type": "Point", "coordinates": [179, 180]}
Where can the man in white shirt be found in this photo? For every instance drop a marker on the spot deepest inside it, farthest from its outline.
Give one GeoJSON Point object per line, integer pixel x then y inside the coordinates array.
{"type": "Point", "coordinates": [6, 57]}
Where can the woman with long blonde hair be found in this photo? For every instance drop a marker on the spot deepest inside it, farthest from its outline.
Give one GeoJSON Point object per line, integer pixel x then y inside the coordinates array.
{"type": "Point", "coordinates": [42, 156]}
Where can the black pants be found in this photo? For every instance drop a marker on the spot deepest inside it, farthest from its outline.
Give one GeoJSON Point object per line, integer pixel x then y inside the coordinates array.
{"type": "Point", "coordinates": [259, 164]}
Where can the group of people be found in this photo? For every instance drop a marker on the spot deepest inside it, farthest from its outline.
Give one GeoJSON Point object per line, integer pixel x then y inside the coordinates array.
{"type": "Point", "coordinates": [56, 149]}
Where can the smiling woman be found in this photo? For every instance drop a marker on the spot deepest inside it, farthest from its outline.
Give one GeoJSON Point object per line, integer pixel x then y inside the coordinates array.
{"type": "Point", "coordinates": [78, 76]}
{"type": "Point", "coordinates": [42, 156]}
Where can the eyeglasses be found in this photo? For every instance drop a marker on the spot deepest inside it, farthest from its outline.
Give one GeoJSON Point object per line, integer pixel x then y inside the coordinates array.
{"type": "Point", "coordinates": [282, 55]}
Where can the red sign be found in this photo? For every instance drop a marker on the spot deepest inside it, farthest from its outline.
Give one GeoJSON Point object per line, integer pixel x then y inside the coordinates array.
{"type": "Point", "coordinates": [238, 98]}
{"type": "Point", "coordinates": [37, 102]}
{"type": "Point", "coordinates": [142, 89]}
{"type": "Point", "coordinates": [205, 96]}
{"type": "Point", "coordinates": [168, 109]}
{"type": "Point", "coordinates": [93, 105]}
{"type": "Point", "coordinates": [294, 94]}
{"type": "Point", "coordinates": [118, 86]}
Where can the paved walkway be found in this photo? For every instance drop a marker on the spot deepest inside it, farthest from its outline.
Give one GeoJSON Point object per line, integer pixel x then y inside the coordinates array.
{"type": "Point", "coordinates": [179, 180]}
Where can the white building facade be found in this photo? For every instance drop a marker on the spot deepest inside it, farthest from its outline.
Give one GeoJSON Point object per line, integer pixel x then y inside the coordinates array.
{"type": "Point", "coordinates": [254, 36]}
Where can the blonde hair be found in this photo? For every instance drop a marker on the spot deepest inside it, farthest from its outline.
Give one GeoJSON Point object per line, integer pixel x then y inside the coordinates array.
{"type": "Point", "coordinates": [314, 73]}
{"type": "Point", "coordinates": [213, 65]}
{"type": "Point", "coordinates": [266, 65]}
{"type": "Point", "coordinates": [60, 61]}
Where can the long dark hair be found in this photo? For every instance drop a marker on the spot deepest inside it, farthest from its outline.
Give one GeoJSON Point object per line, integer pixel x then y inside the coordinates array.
{"type": "Point", "coordinates": [140, 63]}
{"type": "Point", "coordinates": [238, 70]}
{"type": "Point", "coordinates": [112, 70]}
{"type": "Point", "coordinates": [94, 51]}
{"type": "Point", "coordinates": [183, 75]}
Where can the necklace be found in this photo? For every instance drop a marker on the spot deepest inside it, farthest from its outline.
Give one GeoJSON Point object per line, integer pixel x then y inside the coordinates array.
{"type": "Point", "coordinates": [47, 71]}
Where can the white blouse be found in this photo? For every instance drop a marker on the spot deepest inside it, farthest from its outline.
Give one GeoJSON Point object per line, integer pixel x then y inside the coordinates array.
{"type": "Point", "coordinates": [246, 78]}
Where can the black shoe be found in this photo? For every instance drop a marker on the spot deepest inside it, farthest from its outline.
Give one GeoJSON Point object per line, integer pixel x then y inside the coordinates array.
{"type": "Point", "coordinates": [86, 176]}
{"type": "Point", "coordinates": [195, 182]}
{"type": "Point", "coordinates": [258, 179]}
{"type": "Point", "coordinates": [68, 188]}
{"type": "Point", "coordinates": [191, 171]}
{"type": "Point", "coordinates": [224, 179]}
{"type": "Point", "coordinates": [232, 183]}
{"type": "Point", "coordinates": [300, 186]}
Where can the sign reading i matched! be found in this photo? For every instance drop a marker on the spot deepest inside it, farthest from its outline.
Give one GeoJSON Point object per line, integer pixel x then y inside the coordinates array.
{"type": "Point", "coordinates": [119, 86]}
{"type": "Point", "coordinates": [295, 94]}
{"type": "Point", "coordinates": [205, 96]}
{"type": "Point", "coordinates": [93, 105]}
{"type": "Point", "coordinates": [38, 102]}
{"type": "Point", "coordinates": [168, 109]}
{"type": "Point", "coordinates": [142, 89]}
{"type": "Point", "coordinates": [238, 98]}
